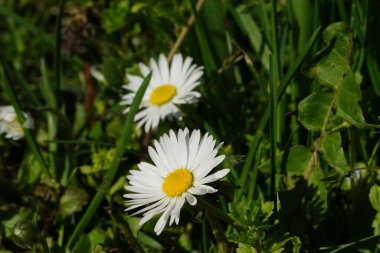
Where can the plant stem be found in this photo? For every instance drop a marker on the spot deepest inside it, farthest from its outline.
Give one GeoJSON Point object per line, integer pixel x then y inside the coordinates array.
{"type": "Point", "coordinates": [185, 30]}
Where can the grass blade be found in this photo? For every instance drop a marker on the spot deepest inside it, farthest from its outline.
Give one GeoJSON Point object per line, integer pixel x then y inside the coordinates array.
{"type": "Point", "coordinates": [57, 54]}
{"type": "Point", "coordinates": [7, 84]}
{"type": "Point", "coordinates": [113, 166]}
{"type": "Point", "coordinates": [26, 23]}
{"type": "Point", "coordinates": [264, 120]}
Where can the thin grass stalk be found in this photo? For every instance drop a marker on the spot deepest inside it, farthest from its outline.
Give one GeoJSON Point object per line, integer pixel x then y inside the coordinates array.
{"type": "Point", "coordinates": [207, 56]}
{"type": "Point", "coordinates": [51, 118]}
{"type": "Point", "coordinates": [273, 133]}
{"type": "Point", "coordinates": [185, 30]}
{"type": "Point", "coordinates": [113, 166]}
{"type": "Point", "coordinates": [204, 236]}
{"type": "Point", "coordinates": [32, 143]}
{"type": "Point", "coordinates": [57, 54]}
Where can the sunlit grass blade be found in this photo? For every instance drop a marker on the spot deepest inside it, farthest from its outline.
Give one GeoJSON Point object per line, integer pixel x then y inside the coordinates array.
{"type": "Point", "coordinates": [112, 167]}
{"type": "Point", "coordinates": [8, 88]}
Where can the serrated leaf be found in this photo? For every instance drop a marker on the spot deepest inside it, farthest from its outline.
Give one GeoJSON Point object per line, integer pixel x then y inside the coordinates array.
{"type": "Point", "coordinates": [114, 17]}
{"type": "Point", "coordinates": [317, 199]}
{"type": "Point", "coordinates": [314, 110]}
{"type": "Point", "coordinates": [334, 60]}
{"type": "Point", "coordinates": [73, 200]}
{"type": "Point", "coordinates": [244, 248]}
{"type": "Point", "coordinates": [374, 197]}
{"type": "Point", "coordinates": [333, 152]}
{"type": "Point", "coordinates": [347, 101]}
{"type": "Point", "coordinates": [246, 237]}
{"type": "Point", "coordinates": [267, 209]}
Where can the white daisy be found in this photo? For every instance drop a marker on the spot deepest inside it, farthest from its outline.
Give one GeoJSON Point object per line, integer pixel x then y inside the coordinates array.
{"type": "Point", "coordinates": [180, 171]}
{"type": "Point", "coordinates": [168, 88]}
{"type": "Point", "coordinates": [10, 125]}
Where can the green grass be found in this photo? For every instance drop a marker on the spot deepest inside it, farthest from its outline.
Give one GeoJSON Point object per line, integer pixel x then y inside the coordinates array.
{"type": "Point", "coordinates": [291, 91]}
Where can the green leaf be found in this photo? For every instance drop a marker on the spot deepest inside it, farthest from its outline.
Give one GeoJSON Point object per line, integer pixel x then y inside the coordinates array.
{"type": "Point", "coordinates": [347, 101]}
{"type": "Point", "coordinates": [114, 18]}
{"type": "Point", "coordinates": [251, 213]}
{"type": "Point", "coordinates": [333, 152]}
{"type": "Point", "coordinates": [185, 241]}
{"type": "Point", "coordinates": [113, 74]}
{"type": "Point", "coordinates": [149, 241]}
{"type": "Point", "coordinates": [374, 197]}
{"type": "Point", "coordinates": [244, 248]}
{"type": "Point", "coordinates": [376, 224]}
{"type": "Point", "coordinates": [279, 246]}
{"type": "Point", "coordinates": [317, 195]}
{"type": "Point", "coordinates": [246, 237]}
{"type": "Point", "coordinates": [333, 61]}
{"type": "Point", "coordinates": [83, 245]}
{"type": "Point", "coordinates": [314, 110]}
{"type": "Point", "coordinates": [73, 200]}
{"type": "Point", "coordinates": [299, 160]}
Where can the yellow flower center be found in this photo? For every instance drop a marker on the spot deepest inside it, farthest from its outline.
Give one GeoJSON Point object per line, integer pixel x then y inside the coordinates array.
{"type": "Point", "coordinates": [162, 94]}
{"type": "Point", "coordinates": [177, 182]}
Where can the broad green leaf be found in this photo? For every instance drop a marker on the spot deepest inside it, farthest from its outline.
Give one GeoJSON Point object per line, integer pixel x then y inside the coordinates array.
{"type": "Point", "coordinates": [73, 200]}
{"type": "Point", "coordinates": [376, 224]}
{"type": "Point", "coordinates": [314, 110]}
{"type": "Point", "coordinates": [374, 197]}
{"type": "Point", "coordinates": [333, 61]}
{"type": "Point", "coordinates": [333, 152]}
{"type": "Point", "coordinates": [347, 101]}
{"type": "Point", "coordinates": [83, 245]}
{"type": "Point", "coordinates": [299, 160]}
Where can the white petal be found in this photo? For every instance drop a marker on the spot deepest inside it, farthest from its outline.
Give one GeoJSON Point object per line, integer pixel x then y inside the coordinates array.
{"type": "Point", "coordinates": [164, 69]}
{"type": "Point", "coordinates": [191, 199]}
{"type": "Point", "coordinates": [213, 177]}
{"type": "Point", "coordinates": [160, 225]}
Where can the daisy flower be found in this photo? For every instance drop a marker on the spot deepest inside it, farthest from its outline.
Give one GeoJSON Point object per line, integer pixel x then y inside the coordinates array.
{"type": "Point", "coordinates": [168, 88]}
{"type": "Point", "coordinates": [10, 125]}
{"type": "Point", "coordinates": [180, 171]}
